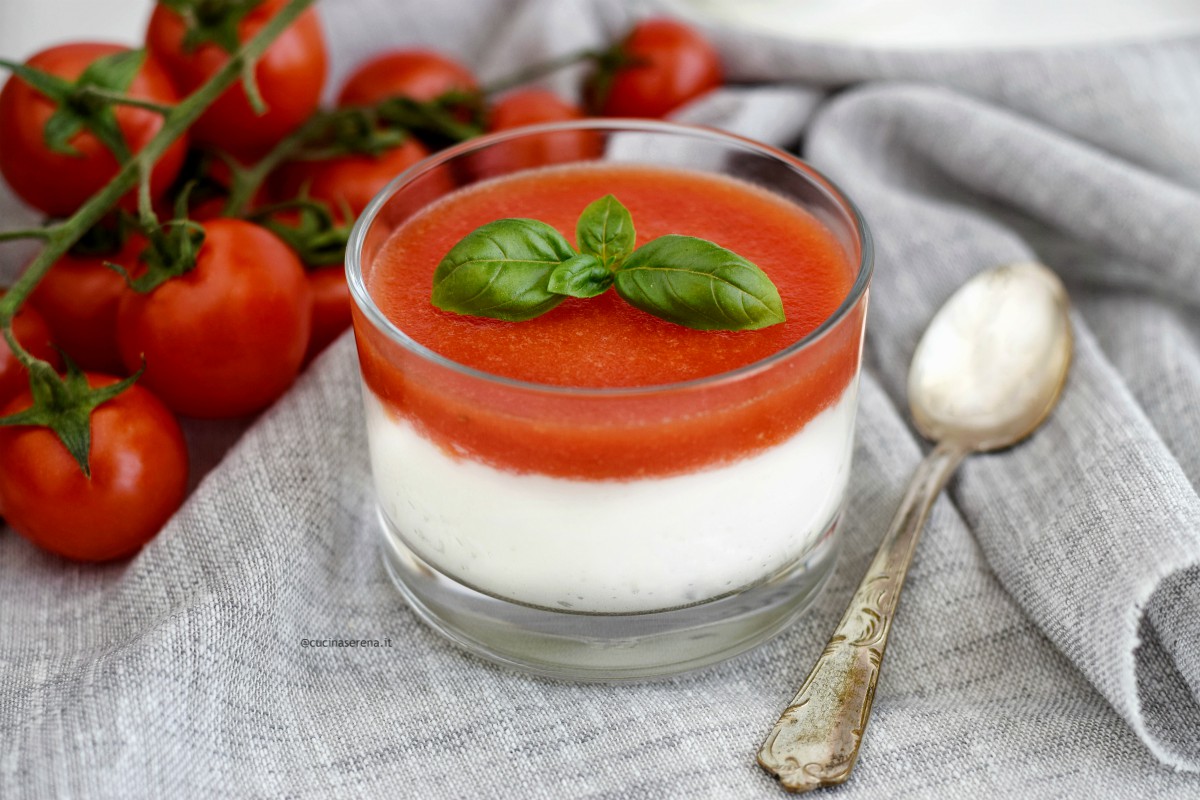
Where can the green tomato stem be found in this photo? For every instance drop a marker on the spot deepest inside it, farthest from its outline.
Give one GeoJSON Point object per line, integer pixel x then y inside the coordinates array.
{"type": "Point", "coordinates": [541, 70]}
{"type": "Point", "coordinates": [26, 233]}
{"type": "Point", "coordinates": [249, 179]}
{"type": "Point", "coordinates": [121, 99]}
{"type": "Point", "coordinates": [26, 360]}
{"type": "Point", "coordinates": [145, 205]}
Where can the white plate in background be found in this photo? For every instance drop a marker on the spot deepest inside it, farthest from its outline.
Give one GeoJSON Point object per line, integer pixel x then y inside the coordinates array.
{"type": "Point", "coordinates": [944, 24]}
{"type": "Point", "coordinates": [27, 26]}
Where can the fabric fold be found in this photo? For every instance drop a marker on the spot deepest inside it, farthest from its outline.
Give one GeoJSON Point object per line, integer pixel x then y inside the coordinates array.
{"type": "Point", "coordinates": [1087, 520]}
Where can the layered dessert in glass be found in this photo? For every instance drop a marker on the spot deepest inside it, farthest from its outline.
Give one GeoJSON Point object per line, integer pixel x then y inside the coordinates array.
{"type": "Point", "coordinates": [599, 493]}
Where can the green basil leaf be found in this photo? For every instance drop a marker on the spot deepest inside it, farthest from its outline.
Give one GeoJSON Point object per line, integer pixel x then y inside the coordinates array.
{"type": "Point", "coordinates": [605, 229]}
{"type": "Point", "coordinates": [699, 284]}
{"type": "Point", "coordinates": [581, 276]}
{"type": "Point", "coordinates": [501, 270]}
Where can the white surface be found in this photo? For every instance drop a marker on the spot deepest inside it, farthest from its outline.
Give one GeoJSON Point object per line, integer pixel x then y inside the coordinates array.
{"type": "Point", "coordinates": [953, 23]}
{"type": "Point", "coordinates": [27, 26]}
{"type": "Point", "coordinates": [612, 546]}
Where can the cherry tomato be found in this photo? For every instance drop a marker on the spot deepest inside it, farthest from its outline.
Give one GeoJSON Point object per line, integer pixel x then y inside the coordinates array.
{"type": "Point", "coordinates": [420, 74]}
{"type": "Point", "coordinates": [228, 337]}
{"type": "Point", "coordinates": [33, 333]}
{"type": "Point", "coordinates": [57, 183]}
{"type": "Point", "coordinates": [139, 477]}
{"type": "Point", "coordinates": [353, 180]}
{"type": "Point", "coordinates": [331, 295]}
{"type": "Point", "coordinates": [678, 65]}
{"type": "Point", "coordinates": [532, 107]}
{"type": "Point", "coordinates": [331, 307]}
{"type": "Point", "coordinates": [79, 297]}
{"type": "Point", "coordinates": [290, 76]}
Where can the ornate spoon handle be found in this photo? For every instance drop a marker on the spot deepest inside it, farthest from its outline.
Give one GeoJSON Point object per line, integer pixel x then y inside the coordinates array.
{"type": "Point", "coordinates": [815, 743]}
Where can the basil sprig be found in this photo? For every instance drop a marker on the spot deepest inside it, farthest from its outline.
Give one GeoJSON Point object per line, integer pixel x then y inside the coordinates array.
{"type": "Point", "coordinates": [518, 269]}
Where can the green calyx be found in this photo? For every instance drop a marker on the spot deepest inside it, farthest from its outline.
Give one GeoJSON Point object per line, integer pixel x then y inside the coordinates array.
{"type": "Point", "coordinates": [312, 232]}
{"type": "Point", "coordinates": [213, 21]}
{"type": "Point", "coordinates": [357, 130]}
{"type": "Point", "coordinates": [87, 102]}
{"type": "Point", "coordinates": [349, 131]}
{"type": "Point", "coordinates": [518, 269]}
{"type": "Point", "coordinates": [454, 116]}
{"type": "Point", "coordinates": [606, 64]}
{"type": "Point", "coordinates": [64, 404]}
{"type": "Point", "coordinates": [172, 248]}
{"type": "Point", "coordinates": [172, 252]}
{"type": "Point", "coordinates": [217, 22]}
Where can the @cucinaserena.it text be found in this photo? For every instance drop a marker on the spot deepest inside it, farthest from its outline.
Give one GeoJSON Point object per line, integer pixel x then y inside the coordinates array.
{"type": "Point", "coordinates": [385, 642]}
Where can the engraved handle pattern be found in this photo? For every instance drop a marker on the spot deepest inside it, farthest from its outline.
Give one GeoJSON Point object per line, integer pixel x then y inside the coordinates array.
{"type": "Point", "coordinates": [815, 743]}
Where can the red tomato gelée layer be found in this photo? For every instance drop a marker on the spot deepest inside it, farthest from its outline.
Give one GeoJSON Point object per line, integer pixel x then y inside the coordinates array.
{"type": "Point", "coordinates": [603, 343]}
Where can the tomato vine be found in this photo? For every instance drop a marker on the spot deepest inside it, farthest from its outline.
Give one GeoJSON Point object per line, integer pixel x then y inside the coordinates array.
{"type": "Point", "coordinates": [134, 171]}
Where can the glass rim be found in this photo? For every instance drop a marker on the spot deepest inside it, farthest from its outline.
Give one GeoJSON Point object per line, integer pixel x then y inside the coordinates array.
{"type": "Point", "coordinates": [365, 303]}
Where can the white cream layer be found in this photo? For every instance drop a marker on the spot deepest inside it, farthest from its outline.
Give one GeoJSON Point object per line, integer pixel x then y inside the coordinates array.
{"type": "Point", "coordinates": [612, 546]}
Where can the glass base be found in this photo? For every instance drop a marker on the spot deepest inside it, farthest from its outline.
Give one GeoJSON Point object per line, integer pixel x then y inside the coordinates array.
{"type": "Point", "coordinates": [608, 647]}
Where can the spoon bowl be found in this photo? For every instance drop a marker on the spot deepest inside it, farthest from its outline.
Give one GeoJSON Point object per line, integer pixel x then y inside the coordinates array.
{"type": "Point", "coordinates": [993, 361]}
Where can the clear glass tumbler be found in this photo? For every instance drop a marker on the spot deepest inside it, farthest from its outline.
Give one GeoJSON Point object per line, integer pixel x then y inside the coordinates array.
{"type": "Point", "coordinates": [626, 575]}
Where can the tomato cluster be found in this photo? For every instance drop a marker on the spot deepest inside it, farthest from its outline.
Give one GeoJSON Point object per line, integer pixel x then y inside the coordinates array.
{"type": "Point", "coordinates": [217, 306]}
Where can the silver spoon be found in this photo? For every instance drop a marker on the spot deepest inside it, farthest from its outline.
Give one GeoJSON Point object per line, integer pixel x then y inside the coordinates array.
{"type": "Point", "coordinates": [987, 372]}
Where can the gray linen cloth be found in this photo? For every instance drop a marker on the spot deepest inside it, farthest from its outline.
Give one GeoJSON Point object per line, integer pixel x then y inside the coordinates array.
{"type": "Point", "coordinates": [1048, 642]}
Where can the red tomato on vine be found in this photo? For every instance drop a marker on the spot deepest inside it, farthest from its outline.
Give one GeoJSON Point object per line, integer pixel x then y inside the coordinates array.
{"type": "Point", "coordinates": [421, 75]}
{"type": "Point", "coordinates": [349, 180]}
{"type": "Point", "coordinates": [523, 107]}
{"type": "Point", "coordinates": [318, 237]}
{"type": "Point", "coordinates": [530, 107]}
{"type": "Point", "coordinates": [79, 298]}
{"type": "Point", "coordinates": [665, 64]}
{"type": "Point", "coordinates": [58, 179]}
{"type": "Point", "coordinates": [138, 478]}
{"type": "Point", "coordinates": [290, 74]}
{"type": "Point", "coordinates": [228, 337]}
